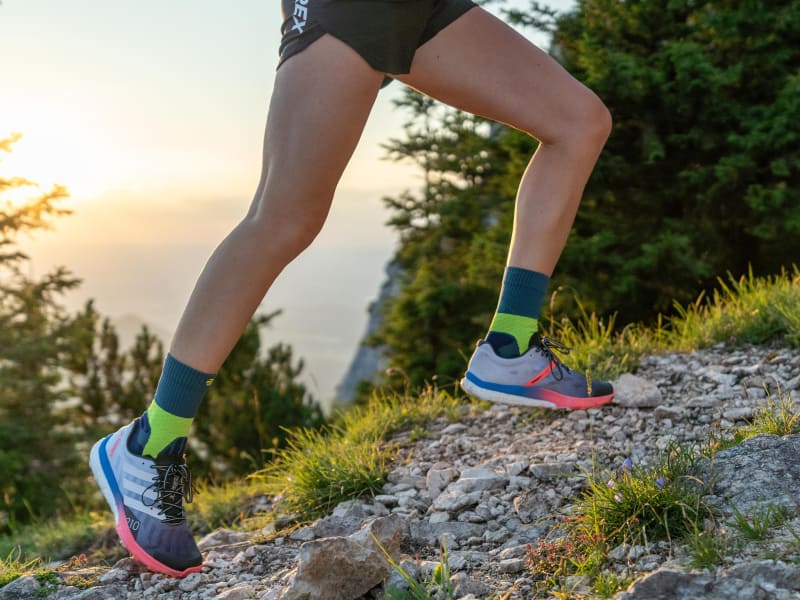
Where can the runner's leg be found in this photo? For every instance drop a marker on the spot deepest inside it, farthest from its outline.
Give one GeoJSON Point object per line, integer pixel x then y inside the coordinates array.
{"type": "Point", "coordinates": [481, 65]}
{"type": "Point", "coordinates": [320, 103]}
{"type": "Point", "coordinates": [306, 148]}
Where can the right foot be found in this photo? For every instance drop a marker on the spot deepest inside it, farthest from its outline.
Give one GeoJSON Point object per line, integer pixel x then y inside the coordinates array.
{"type": "Point", "coordinates": [538, 378]}
{"type": "Point", "coordinates": [146, 497]}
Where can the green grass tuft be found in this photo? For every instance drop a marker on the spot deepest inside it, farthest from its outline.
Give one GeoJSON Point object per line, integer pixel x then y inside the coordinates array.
{"type": "Point", "coordinates": [55, 539]}
{"type": "Point", "coordinates": [777, 417]}
{"type": "Point", "coordinates": [437, 587]}
{"type": "Point", "coordinates": [757, 525]}
{"type": "Point", "coordinates": [606, 584]}
{"type": "Point", "coordinates": [645, 505]}
{"type": "Point", "coordinates": [319, 469]}
{"type": "Point", "coordinates": [229, 505]}
{"type": "Point", "coordinates": [12, 568]}
{"type": "Point", "coordinates": [707, 547]}
{"type": "Point", "coordinates": [749, 309]}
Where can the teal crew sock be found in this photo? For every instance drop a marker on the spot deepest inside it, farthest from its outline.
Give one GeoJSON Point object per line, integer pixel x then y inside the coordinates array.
{"type": "Point", "coordinates": [517, 316]}
{"type": "Point", "coordinates": [171, 413]}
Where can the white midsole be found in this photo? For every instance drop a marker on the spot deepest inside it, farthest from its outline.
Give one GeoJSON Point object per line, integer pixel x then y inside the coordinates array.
{"type": "Point", "coordinates": [501, 397]}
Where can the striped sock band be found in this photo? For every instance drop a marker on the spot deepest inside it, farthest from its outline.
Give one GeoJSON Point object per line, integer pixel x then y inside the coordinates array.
{"type": "Point", "coordinates": [178, 395]}
{"type": "Point", "coordinates": [518, 309]}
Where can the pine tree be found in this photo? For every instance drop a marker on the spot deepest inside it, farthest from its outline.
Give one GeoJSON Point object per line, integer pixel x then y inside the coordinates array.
{"type": "Point", "coordinates": [37, 442]}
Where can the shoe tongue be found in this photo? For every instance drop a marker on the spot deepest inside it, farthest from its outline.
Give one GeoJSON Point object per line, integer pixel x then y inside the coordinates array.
{"type": "Point", "coordinates": [139, 436]}
{"type": "Point", "coordinates": [174, 451]}
{"type": "Point", "coordinates": [535, 341]}
{"type": "Point", "coordinates": [503, 344]}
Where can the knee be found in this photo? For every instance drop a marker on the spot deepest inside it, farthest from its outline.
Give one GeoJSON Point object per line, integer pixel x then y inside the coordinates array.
{"type": "Point", "coordinates": [288, 228]}
{"type": "Point", "coordinates": [291, 239]}
{"type": "Point", "coordinates": [581, 124]}
{"type": "Point", "coordinates": [589, 123]}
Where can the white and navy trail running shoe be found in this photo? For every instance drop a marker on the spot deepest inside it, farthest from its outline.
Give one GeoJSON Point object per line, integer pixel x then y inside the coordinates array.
{"type": "Point", "coordinates": [146, 497]}
{"type": "Point", "coordinates": [537, 378]}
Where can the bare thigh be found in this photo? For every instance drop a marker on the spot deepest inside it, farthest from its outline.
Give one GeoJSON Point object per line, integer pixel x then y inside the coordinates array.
{"type": "Point", "coordinates": [481, 65]}
{"type": "Point", "coordinates": [320, 103]}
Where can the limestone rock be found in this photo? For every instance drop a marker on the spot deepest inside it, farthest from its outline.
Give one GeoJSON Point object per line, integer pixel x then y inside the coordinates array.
{"type": "Point", "coordinates": [20, 589]}
{"type": "Point", "coordinates": [636, 392]}
{"type": "Point", "coordinates": [761, 470]}
{"type": "Point", "coordinates": [341, 568]}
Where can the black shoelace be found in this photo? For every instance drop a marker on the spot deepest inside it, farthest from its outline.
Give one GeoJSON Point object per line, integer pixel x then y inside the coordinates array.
{"type": "Point", "coordinates": [549, 348]}
{"type": "Point", "coordinates": [172, 484]}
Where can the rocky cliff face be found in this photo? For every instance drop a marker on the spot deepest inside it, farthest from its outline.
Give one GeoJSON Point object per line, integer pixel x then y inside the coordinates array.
{"type": "Point", "coordinates": [368, 361]}
{"type": "Point", "coordinates": [496, 480]}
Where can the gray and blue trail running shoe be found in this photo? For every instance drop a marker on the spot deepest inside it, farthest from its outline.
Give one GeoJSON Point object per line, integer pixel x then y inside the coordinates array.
{"type": "Point", "coordinates": [146, 497]}
{"type": "Point", "coordinates": [537, 378]}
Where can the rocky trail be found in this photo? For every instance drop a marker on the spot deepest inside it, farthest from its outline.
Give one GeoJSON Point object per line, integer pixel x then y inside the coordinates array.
{"type": "Point", "coordinates": [497, 480]}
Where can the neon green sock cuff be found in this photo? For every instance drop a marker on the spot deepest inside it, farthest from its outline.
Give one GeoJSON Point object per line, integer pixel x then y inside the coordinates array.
{"type": "Point", "coordinates": [522, 328]}
{"type": "Point", "coordinates": [165, 428]}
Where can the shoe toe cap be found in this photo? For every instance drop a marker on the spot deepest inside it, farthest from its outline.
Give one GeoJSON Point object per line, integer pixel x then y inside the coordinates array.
{"type": "Point", "coordinates": [173, 546]}
{"type": "Point", "coordinates": [602, 388]}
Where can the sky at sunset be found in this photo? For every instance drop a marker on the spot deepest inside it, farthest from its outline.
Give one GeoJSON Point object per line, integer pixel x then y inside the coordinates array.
{"type": "Point", "coordinates": [151, 113]}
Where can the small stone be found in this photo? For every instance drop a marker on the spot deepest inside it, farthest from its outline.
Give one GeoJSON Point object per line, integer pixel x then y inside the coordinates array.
{"type": "Point", "coordinates": [191, 582]}
{"type": "Point", "coordinates": [636, 392]}
{"type": "Point", "coordinates": [239, 592]}
{"type": "Point", "coordinates": [636, 551]}
{"type": "Point", "coordinates": [223, 537]}
{"type": "Point", "coordinates": [466, 585]}
{"type": "Point", "coordinates": [619, 553]}
{"type": "Point", "coordinates": [667, 412]}
{"type": "Point", "coordinates": [388, 500]}
{"type": "Point", "coordinates": [551, 470]}
{"type": "Point", "coordinates": [454, 499]}
{"type": "Point", "coordinates": [511, 565]}
{"type": "Point", "coordinates": [740, 413]}
{"type": "Point", "coordinates": [438, 517]}
{"type": "Point", "coordinates": [454, 428]}
{"type": "Point", "coordinates": [304, 534]}
{"type": "Point", "coordinates": [23, 587]}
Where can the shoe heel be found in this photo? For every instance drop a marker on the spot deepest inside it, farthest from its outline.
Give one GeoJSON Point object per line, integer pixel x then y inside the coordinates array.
{"type": "Point", "coordinates": [100, 476]}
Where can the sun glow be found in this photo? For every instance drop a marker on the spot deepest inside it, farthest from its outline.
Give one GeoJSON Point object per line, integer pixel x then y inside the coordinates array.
{"type": "Point", "coordinates": [49, 152]}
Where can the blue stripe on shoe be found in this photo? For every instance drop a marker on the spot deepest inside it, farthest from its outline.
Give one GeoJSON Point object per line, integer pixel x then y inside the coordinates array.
{"type": "Point", "coordinates": [514, 390]}
{"type": "Point", "coordinates": [108, 473]}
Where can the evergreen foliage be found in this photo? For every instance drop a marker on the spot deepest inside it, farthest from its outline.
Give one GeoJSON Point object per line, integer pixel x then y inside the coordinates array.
{"type": "Point", "coordinates": [36, 334]}
{"type": "Point", "coordinates": [701, 173]}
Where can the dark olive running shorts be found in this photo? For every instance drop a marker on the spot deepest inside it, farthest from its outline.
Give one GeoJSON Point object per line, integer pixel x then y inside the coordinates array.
{"type": "Point", "coordinates": [386, 33]}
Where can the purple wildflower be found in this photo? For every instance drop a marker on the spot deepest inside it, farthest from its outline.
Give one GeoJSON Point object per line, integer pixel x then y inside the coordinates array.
{"type": "Point", "coordinates": [660, 482]}
{"type": "Point", "coordinates": [618, 497]}
{"type": "Point", "coordinates": [627, 464]}
{"type": "Point", "coordinates": [612, 484]}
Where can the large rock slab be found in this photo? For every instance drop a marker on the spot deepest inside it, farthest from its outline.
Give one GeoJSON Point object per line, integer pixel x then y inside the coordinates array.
{"type": "Point", "coordinates": [760, 471]}
{"type": "Point", "coordinates": [758, 580]}
{"type": "Point", "coordinates": [345, 568]}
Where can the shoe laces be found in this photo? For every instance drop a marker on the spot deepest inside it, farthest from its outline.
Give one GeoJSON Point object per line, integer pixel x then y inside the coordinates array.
{"type": "Point", "coordinates": [172, 484]}
{"type": "Point", "coordinates": [550, 349]}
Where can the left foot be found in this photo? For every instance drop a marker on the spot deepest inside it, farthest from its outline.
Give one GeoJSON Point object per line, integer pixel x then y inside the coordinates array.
{"type": "Point", "coordinates": [146, 497]}
{"type": "Point", "coordinates": [537, 378]}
